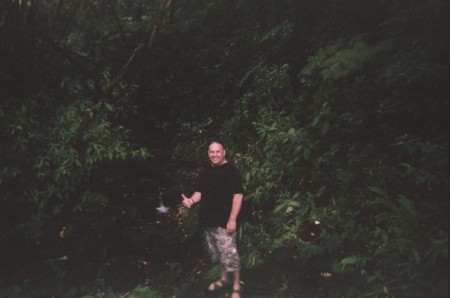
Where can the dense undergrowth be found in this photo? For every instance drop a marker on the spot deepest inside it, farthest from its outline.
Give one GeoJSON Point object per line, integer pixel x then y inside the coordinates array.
{"type": "Point", "coordinates": [335, 113]}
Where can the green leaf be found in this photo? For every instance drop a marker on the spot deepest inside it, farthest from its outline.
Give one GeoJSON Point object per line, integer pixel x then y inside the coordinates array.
{"type": "Point", "coordinates": [378, 191]}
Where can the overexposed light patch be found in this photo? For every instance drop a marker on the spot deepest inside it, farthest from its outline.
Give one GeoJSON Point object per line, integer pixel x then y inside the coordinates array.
{"type": "Point", "coordinates": [162, 209]}
{"type": "Point", "coordinates": [326, 274]}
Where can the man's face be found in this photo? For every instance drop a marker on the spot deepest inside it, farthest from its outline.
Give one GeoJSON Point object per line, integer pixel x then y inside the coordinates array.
{"type": "Point", "coordinates": [216, 154]}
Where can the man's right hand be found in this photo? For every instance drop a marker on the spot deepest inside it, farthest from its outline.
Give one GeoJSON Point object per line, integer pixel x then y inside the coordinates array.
{"type": "Point", "coordinates": [187, 202]}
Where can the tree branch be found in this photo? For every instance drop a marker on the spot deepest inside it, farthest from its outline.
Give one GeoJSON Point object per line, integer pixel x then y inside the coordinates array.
{"type": "Point", "coordinates": [145, 44]}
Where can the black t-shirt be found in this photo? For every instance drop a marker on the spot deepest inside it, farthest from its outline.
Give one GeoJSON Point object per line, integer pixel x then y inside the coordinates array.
{"type": "Point", "coordinates": [217, 186]}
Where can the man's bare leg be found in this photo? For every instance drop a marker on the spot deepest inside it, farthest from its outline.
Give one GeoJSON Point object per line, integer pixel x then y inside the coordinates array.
{"type": "Point", "coordinates": [224, 273]}
{"type": "Point", "coordinates": [222, 281]}
{"type": "Point", "coordinates": [236, 284]}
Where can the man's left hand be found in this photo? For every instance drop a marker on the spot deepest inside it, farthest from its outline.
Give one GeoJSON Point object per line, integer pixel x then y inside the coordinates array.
{"type": "Point", "coordinates": [231, 227]}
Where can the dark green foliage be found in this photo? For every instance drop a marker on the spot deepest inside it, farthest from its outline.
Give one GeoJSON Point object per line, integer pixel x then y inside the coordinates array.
{"type": "Point", "coordinates": [335, 112]}
{"type": "Point", "coordinates": [363, 150]}
{"type": "Point", "coordinates": [58, 142]}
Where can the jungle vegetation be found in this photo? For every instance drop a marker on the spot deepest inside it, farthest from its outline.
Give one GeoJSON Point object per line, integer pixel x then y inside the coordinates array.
{"type": "Point", "coordinates": [334, 112]}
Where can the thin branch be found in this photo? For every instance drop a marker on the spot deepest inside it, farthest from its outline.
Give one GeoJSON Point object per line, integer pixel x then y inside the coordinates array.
{"type": "Point", "coordinates": [145, 44]}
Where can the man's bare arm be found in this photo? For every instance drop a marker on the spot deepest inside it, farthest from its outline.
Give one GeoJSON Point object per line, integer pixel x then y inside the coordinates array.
{"type": "Point", "coordinates": [235, 209]}
{"type": "Point", "coordinates": [195, 198]}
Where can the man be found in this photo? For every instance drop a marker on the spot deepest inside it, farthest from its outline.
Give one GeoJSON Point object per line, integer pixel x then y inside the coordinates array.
{"type": "Point", "coordinates": [220, 190]}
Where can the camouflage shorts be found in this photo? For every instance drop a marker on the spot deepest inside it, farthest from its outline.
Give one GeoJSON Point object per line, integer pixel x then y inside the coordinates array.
{"type": "Point", "coordinates": [222, 248]}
